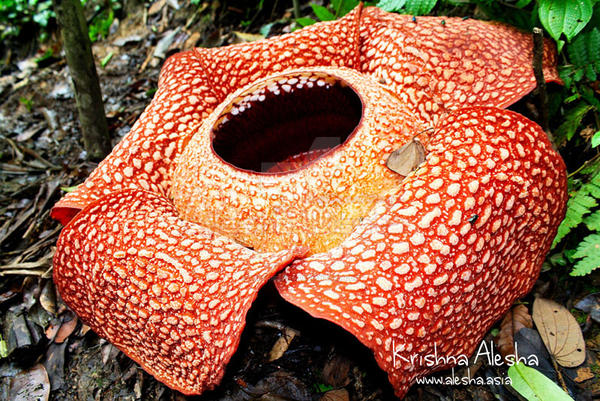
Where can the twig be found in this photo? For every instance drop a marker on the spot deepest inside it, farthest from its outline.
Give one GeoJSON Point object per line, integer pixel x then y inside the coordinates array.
{"type": "Point", "coordinates": [561, 380]}
{"type": "Point", "coordinates": [43, 262]}
{"type": "Point", "coordinates": [296, 8]}
{"type": "Point", "coordinates": [22, 217]}
{"type": "Point", "coordinates": [538, 59]}
{"type": "Point", "coordinates": [19, 272]}
{"type": "Point", "coordinates": [273, 10]}
{"type": "Point", "coordinates": [32, 153]}
{"type": "Point", "coordinates": [18, 153]}
{"type": "Point", "coordinates": [585, 164]}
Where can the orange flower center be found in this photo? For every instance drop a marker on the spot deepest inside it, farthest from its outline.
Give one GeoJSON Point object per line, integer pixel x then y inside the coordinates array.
{"type": "Point", "coordinates": [297, 158]}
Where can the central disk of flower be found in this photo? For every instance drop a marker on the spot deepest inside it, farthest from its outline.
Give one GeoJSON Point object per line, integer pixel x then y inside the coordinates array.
{"type": "Point", "coordinates": [297, 158]}
{"type": "Point", "coordinates": [287, 124]}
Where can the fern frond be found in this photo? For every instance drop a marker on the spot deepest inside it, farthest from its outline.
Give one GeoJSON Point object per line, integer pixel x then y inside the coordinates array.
{"type": "Point", "coordinates": [592, 187]}
{"type": "Point", "coordinates": [584, 53]}
{"type": "Point", "coordinates": [577, 51]}
{"type": "Point", "coordinates": [578, 206]}
{"type": "Point", "coordinates": [592, 221]}
{"type": "Point", "coordinates": [588, 253]}
{"type": "Point", "coordinates": [572, 121]}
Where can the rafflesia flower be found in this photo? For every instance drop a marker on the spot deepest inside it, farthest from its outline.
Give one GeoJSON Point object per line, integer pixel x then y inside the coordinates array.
{"type": "Point", "coordinates": [258, 156]}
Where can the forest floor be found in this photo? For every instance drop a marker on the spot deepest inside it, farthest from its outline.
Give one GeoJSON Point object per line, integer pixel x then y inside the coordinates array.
{"type": "Point", "coordinates": [43, 342]}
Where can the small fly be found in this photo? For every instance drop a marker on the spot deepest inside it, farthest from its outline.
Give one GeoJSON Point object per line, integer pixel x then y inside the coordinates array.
{"type": "Point", "coordinates": [473, 219]}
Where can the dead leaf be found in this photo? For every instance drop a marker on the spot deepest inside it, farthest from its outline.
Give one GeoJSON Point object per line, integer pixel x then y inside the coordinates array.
{"type": "Point", "coordinates": [516, 319]}
{"type": "Point", "coordinates": [48, 297]}
{"type": "Point", "coordinates": [560, 332]}
{"type": "Point", "coordinates": [65, 330]}
{"type": "Point", "coordinates": [282, 343]}
{"type": "Point", "coordinates": [30, 132]}
{"type": "Point", "coordinates": [173, 4]}
{"type": "Point", "coordinates": [583, 374]}
{"type": "Point", "coordinates": [407, 158]}
{"type": "Point", "coordinates": [55, 365]}
{"type": "Point", "coordinates": [127, 40]}
{"type": "Point", "coordinates": [30, 385]}
{"type": "Point", "coordinates": [587, 133]}
{"type": "Point", "coordinates": [243, 37]}
{"type": "Point", "coordinates": [336, 395]}
{"type": "Point", "coordinates": [336, 371]}
{"type": "Point", "coordinates": [84, 329]}
{"type": "Point", "coordinates": [156, 7]}
{"type": "Point", "coordinates": [277, 386]}
{"type": "Point", "coordinates": [53, 328]}
{"type": "Point", "coordinates": [10, 293]}
{"type": "Point", "coordinates": [109, 352]}
{"type": "Point", "coordinates": [160, 51]}
{"type": "Point", "coordinates": [192, 41]}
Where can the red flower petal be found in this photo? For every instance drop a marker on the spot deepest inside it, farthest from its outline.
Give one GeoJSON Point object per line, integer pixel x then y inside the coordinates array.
{"type": "Point", "coordinates": [439, 64]}
{"type": "Point", "coordinates": [170, 294]}
{"type": "Point", "coordinates": [143, 159]}
{"type": "Point", "coordinates": [446, 255]}
{"type": "Point", "coordinates": [334, 43]}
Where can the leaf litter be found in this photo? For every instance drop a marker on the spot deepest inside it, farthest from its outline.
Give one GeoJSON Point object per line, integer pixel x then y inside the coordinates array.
{"type": "Point", "coordinates": [560, 332]}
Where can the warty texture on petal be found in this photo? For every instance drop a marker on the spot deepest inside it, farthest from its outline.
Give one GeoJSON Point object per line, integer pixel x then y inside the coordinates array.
{"type": "Point", "coordinates": [170, 294]}
{"type": "Point", "coordinates": [439, 261]}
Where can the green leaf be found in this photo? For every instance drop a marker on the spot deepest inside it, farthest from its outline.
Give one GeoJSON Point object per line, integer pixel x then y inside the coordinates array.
{"type": "Point", "coordinates": [522, 3]}
{"type": "Point", "coordinates": [565, 16]}
{"type": "Point", "coordinates": [592, 187]}
{"type": "Point", "coordinates": [69, 189]}
{"type": "Point", "coordinates": [419, 7]}
{"type": "Point", "coordinates": [413, 7]}
{"type": "Point", "coordinates": [3, 348]}
{"type": "Point", "coordinates": [47, 54]}
{"type": "Point", "coordinates": [535, 386]}
{"type": "Point", "coordinates": [588, 251]}
{"type": "Point", "coordinates": [106, 59]}
{"type": "Point", "coordinates": [28, 103]}
{"type": "Point", "coordinates": [591, 168]}
{"type": "Point", "coordinates": [305, 21]}
{"type": "Point", "coordinates": [322, 388]}
{"type": "Point", "coordinates": [343, 7]}
{"type": "Point", "coordinates": [391, 5]}
{"type": "Point", "coordinates": [596, 139]}
{"type": "Point", "coordinates": [322, 13]}
{"type": "Point", "coordinates": [589, 95]}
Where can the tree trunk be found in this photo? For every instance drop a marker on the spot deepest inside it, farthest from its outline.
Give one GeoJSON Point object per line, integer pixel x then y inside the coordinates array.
{"type": "Point", "coordinates": [80, 60]}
